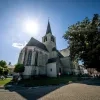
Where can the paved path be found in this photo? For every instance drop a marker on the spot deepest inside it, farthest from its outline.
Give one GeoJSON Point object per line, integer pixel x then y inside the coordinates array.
{"type": "Point", "coordinates": [74, 91]}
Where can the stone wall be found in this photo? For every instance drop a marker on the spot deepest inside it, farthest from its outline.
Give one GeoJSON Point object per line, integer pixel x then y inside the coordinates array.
{"type": "Point", "coordinates": [51, 70]}
{"type": "Point", "coordinates": [40, 68]}
{"type": "Point", "coordinates": [67, 66]}
{"type": "Point", "coordinates": [42, 56]}
{"type": "Point", "coordinates": [49, 44]}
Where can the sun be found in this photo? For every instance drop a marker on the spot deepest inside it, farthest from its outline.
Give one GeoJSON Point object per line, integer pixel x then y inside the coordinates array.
{"type": "Point", "coordinates": [31, 27]}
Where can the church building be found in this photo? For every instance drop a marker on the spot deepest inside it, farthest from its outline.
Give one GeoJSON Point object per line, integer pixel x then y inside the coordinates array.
{"type": "Point", "coordinates": [43, 58]}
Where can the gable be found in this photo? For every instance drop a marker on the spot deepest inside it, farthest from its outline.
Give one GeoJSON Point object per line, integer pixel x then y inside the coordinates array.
{"type": "Point", "coordinates": [34, 42]}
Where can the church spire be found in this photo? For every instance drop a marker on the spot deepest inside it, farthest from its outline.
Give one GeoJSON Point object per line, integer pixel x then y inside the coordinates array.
{"type": "Point", "coordinates": [48, 28]}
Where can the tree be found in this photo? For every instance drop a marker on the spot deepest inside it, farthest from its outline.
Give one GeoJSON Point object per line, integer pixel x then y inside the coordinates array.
{"type": "Point", "coordinates": [3, 63]}
{"type": "Point", "coordinates": [3, 68]}
{"type": "Point", "coordinates": [84, 41]}
{"type": "Point", "coordinates": [19, 68]}
{"type": "Point", "coordinates": [6, 70]}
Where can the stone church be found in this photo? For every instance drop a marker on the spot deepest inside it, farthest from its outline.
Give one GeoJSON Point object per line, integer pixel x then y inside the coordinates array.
{"type": "Point", "coordinates": [43, 58]}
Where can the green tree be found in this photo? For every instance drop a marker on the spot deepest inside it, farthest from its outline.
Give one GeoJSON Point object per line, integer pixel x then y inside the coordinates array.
{"type": "Point", "coordinates": [5, 71]}
{"type": "Point", "coordinates": [3, 68]}
{"type": "Point", "coordinates": [3, 63]}
{"type": "Point", "coordinates": [19, 68]}
{"type": "Point", "coordinates": [84, 41]}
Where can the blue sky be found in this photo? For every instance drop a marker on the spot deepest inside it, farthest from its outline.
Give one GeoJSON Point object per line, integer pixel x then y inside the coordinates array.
{"type": "Point", "coordinates": [62, 13]}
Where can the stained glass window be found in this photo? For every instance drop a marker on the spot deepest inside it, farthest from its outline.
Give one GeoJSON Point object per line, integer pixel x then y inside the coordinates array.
{"type": "Point", "coordinates": [29, 58]}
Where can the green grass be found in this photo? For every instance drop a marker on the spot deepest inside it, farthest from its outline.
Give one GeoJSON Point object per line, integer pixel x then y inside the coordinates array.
{"type": "Point", "coordinates": [4, 82]}
{"type": "Point", "coordinates": [48, 81]}
{"type": "Point", "coordinates": [41, 81]}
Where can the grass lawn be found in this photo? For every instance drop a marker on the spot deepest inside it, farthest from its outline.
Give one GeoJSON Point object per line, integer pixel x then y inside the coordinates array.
{"type": "Point", "coordinates": [48, 81]}
{"type": "Point", "coordinates": [4, 82]}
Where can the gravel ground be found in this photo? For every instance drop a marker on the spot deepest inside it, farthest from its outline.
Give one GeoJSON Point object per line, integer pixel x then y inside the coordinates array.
{"type": "Point", "coordinates": [74, 92]}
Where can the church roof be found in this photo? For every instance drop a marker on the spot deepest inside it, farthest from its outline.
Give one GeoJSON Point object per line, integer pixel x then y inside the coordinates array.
{"type": "Point", "coordinates": [54, 49]}
{"type": "Point", "coordinates": [34, 42]}
{"type": "Point", "coordinates": [48, 28]}
{"type": "Point", "coordinates": [60, 55]}
{"type": "Point", "coordinates": [51, 60]}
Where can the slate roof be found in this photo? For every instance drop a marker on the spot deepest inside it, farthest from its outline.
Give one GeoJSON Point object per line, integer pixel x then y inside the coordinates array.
{"type": "Point", "coordinates": [54, 49]}
{"type": "Point", "coordinates": [34, 42]}
{"type": "Point", "coordinates": [59, 54]}
{"type": "Point", "coordinates": [48, 28]}
{"type": "Point", "coordinates": [52, 60]}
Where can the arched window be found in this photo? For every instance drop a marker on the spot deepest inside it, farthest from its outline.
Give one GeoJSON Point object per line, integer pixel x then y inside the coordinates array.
{"type": "Point", "coordinates": [36, 59]}
{"type": "Point", "coordinates": [29, 58]}
{"type": "Point", "coordinates": [45, 38]}
{"type": "Point", "coordinates": [59, 70]}
{"type": "Point", "coordinates": [52, 38]}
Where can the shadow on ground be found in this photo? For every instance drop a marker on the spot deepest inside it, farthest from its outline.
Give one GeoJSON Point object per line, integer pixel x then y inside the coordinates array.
{"type": "Point", "coordinates": [92, 81]}
{"type": "Point", "coordinates": [34, 93]}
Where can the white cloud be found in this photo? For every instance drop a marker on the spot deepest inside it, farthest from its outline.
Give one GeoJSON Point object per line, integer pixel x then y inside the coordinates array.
{"type": "Point", "coordinates": [18, 45]}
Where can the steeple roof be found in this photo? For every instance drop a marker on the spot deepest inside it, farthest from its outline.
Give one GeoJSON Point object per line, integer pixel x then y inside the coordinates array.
{"type": "Point", "coordinates": [48, 28]}
{"type": "Point", "coordinates": [34, 42]}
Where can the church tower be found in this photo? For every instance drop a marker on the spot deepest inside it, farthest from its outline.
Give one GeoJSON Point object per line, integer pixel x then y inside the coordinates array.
{"type": "Point", "coordinates": [49, 40]}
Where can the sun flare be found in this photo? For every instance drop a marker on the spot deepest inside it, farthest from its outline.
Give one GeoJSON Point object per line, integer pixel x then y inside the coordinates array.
{"type": "Point", "coordinates": [31, 27]}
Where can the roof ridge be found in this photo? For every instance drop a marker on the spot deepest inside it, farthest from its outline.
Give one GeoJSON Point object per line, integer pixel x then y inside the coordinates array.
{"type": "Point", "coordinates": [36, 40]}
